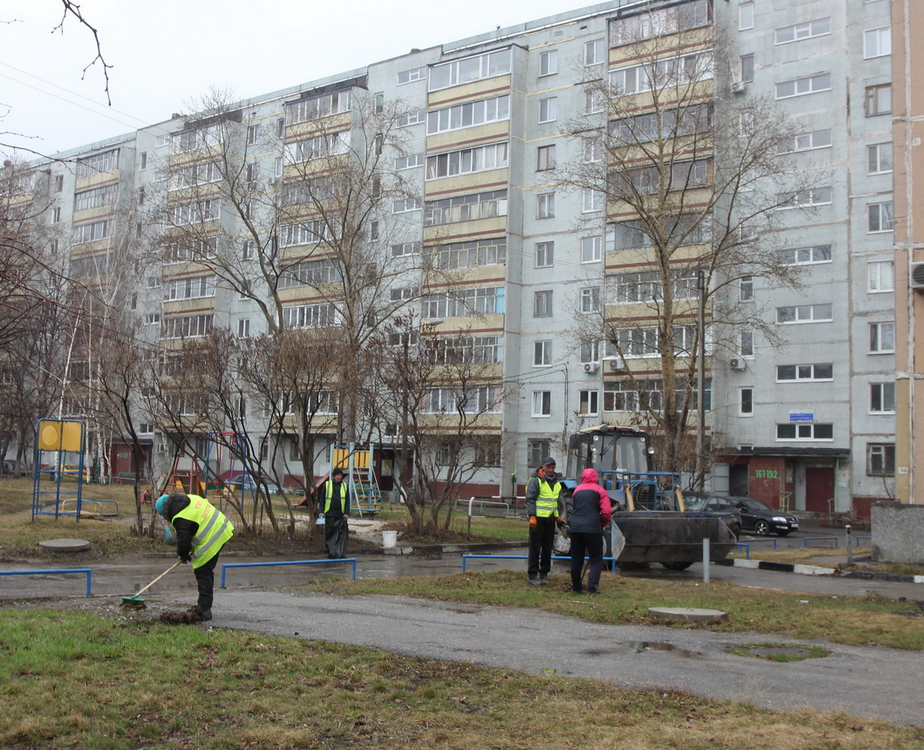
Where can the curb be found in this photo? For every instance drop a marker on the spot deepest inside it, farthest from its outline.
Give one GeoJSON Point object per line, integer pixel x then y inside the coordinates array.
{"type": "Point", "coordinates": [816, 570]}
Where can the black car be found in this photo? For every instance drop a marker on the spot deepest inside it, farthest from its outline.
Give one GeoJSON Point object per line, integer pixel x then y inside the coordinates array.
{"type": "Point", "coordinates": [763, 520]}
{"type": "Point", "coordinates": [718, 505]}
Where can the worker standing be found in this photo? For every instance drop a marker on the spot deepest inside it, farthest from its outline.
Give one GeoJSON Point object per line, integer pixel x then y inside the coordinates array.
{"type": "Point", "coordinates": [590, 513]}
{"type": "Point", "coordinates": [335, 509]}
{"type": "Point", "coordinates": [544, 510]}
{"type": "Point", "coordinates": [201, 532]}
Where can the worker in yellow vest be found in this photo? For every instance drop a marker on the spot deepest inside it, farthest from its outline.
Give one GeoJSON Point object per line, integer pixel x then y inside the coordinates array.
{"type": "Point", "coordinates": [201, 532]}
{"type": "Point", "coordinates": [544, 510]}
{"type": "Point", "coordinates": [335, 509]}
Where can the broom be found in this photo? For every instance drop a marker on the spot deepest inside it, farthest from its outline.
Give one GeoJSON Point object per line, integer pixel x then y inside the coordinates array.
{"type": "Point", "coordinates": [136, 600]}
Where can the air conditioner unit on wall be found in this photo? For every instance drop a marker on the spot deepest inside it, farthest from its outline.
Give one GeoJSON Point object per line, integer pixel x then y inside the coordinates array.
{"type": "Point", "coordinates": [736, 363]}
{"type": "Point", "coordinates": [737, 87]}
{"type": "Point", "coordinates": [916, 276]}
{"type": "Point", "coordinates": [591, 367]}
{"type": "Point", "coordinates": [616, 364]}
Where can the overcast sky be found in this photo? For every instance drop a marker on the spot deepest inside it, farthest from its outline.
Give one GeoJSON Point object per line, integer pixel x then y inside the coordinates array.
{"type": "Point", "coordinates": [166, 54]}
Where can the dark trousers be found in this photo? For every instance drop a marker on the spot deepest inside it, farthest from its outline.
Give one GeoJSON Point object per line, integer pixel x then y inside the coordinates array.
{"type": "Point", "coordinates": [205, 580]}
{"type": "Point", "coordinates": [336, 533]}
{"type": "Point", "coordinates": [590, 544]}
{"type": "Point", "coordinates": [540, 547]}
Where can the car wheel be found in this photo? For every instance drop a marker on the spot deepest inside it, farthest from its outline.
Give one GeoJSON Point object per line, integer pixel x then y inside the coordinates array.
{"type": "Point", "coordinates": [677, 565]}
{"type": "Point", "coordinates": [762, 528]}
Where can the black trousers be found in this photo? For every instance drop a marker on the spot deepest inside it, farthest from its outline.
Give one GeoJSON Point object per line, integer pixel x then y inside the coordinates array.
{"type": "Point", "coordinates": [336, 533]}
{"type": "Point", "coordinates": [540, 547]}
{"type": "Point", "coordinates": [590, 544]}
{"type": "Point", "coordinates": [205, 580]}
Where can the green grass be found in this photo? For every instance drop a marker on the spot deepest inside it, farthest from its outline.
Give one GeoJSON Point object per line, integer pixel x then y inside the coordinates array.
{"type": "Point", "coordinates": [78, 680]}
{"type": "Point", "coordinates": [849, 620]}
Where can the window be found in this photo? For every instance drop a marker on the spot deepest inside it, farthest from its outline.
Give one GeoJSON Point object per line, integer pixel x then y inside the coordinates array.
{"type": "Point", "coordinates": [591, 249]}
{"type": "Point", "coordinates": [803, 198]}
{"type": "Point", "coordinates": [805, 313]}
{"type": "Point", "coordinates": [590, 350]}
{"type": "Point", "coordinates": [465, 208]}
{"type": "Point", "coordinates": [59, 179]}
{"type": "Point", "coordinates": [746, 67]}
{"type": "Point", "coordinates": [546, 158]}
{"type": "Point", "coordinates": [467, 161]}
{"type": "Point", "coordinates": [410, 161]}
{"type": "Point", "coordinates": [542, 403]}
{"type": "Point", "coordinates": [379, 102]}
{"type": "Point", "coordinates": [409, 76]}
{"type": "Point", "coordinates": [373, 231]}
{"type": "Point", "coordinates": [590, 299]}
{"type": "Point", "coordinates": [281, 127]}
{"type": "Point", "coordinates": [542, 304]}
{"type": "Point", "coordinates": [56, 214]}
{"type": "Point", "coordinates": [804, 373]}
{"type": "Point", "coordinates": [881, 276]}
{"type": "Point", "coordinates": [191, 288]}
{"type": "Point", "coordinates": [804, 431]}
{"type": "Point", "coordinates": [548, 109]}
{"type": "Point", "coordinates": [880, 459]}
{"type": "Point", "coordinates": [318, 107]}
{"type": "Point", "coordinates": [545, 205]}
{"type": "Point", "coordinates": [745, 402]}
{"type": "Point", "coordinates": [594, 52]}
{"type": "Point", "coordinates": [405, 248]}
{"type": "Point", "coordinates": [542, 353]}
{"type": "Point", "coordinates": [659, 21]}
{"type": "Point", "coordinates": [880, 217]}
{"type": "Point", "coordinates": [592, 152]}
{"type": "Point", "coordinates": [881, 338]}
{"type": "Point", "coordinates": [470, 69]}
{"type": "Point", "coordinates": [879, 158]}
{"type": "Point", "coordinates": [746, 289]}
{"type": "Point", "coordinates": [416, 117]}
{"type": "Point", "coordinates": [746, 343]}
{"type": "Point", "coordinates": [252, 132]}
{"type": "Point", "coordinates": [470, 254]}
{"type": "Point", "coordinates": [537, 451]}
{"type": "Point", "coordinates": [877, 42]}
{"type": "Point", "coordinates": [469, 115]}
{"type": "Point", "coordinates": [799, 31]}
{"type": "Point", "coordinates": [243, 328]}
{"type": "Point", "coordinates": [322, 315]}
{"type": "Point", "coordinates": [801, 256]}
{"type": "Point", "coordinates": [403, 205]}
{"type": "Point", "coordinates": [98, 230]}
{"type": "Point", "coordinates": [803, 86]}
{"type": "Point", "coordinates": [588, 403]}
{"type": "Point", "coordinates": [882, 398]}
{"type": "Point", "coordinates": [746, 16]}
{"type": "Point", "coordinates": [187, 327]}
{"type": "Point", "coordinates": [152, 319]}
{"type": "Point", "coordinates": [879, 99]}
{"type": "Point", "coordinates": [464, 303]}
{"type": "Point", "coordinates": [676, 71]}
{"type": "Point", "coordinates": [545, 254]}
{"type": "Point", "coordinates": [548, 63]}
{"type": "Point", "coordinates": [807, 142]}
{"type": "Point", "coordinates": [594, 102]}
{"type": "Point", "coordinates": [591, 200]}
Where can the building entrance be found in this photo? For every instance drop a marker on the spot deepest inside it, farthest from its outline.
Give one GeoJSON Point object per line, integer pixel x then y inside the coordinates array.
{"type": "Point", "coordinates": [819, 489]}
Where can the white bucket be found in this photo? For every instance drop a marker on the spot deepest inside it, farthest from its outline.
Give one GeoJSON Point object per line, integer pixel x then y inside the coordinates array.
{"type": "Point", "coordinates": [389, 539]}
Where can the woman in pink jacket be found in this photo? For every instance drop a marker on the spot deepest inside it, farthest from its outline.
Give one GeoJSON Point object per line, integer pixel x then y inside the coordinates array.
{"type": "Point", "coordinates": [590, 512]}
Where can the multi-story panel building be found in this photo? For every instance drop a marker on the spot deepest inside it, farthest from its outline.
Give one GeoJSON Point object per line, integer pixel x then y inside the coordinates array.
{"type": "Point", "coordinates": [504, 186]}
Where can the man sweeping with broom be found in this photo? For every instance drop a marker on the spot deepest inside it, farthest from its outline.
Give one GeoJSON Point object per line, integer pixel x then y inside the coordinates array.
{"type": "Point", "coordinates": [201, 532]}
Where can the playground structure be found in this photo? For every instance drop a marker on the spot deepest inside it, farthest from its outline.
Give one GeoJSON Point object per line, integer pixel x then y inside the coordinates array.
{"type": "Point", "coordinates": [357, 464]}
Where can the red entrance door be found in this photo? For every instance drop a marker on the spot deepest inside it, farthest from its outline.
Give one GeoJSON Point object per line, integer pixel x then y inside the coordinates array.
{"type": "Point", "coordinates": [819, 489]}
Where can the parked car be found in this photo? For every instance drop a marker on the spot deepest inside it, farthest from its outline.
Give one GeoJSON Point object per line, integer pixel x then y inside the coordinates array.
{"type": "Point", "coordinates": [763, 520]}
{"type": "Point", "coordinates": [723, 507]}
{"type": "Point", "coordinates": [247, 483]}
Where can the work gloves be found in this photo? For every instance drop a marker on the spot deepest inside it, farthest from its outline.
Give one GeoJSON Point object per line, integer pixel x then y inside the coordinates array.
{"type": "Point", "coordinates": [533, 523]}
{"type": "Point", "coordinates": [185, 558]}
{"type": "Point", "coordinates": [560, 521]}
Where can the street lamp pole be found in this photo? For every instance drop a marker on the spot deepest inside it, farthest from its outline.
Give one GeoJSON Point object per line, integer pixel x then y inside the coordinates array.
{"type": "Point", "coordinates": [701, 383]}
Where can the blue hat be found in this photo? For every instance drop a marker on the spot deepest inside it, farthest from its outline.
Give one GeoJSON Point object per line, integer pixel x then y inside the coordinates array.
{"type": "Point", "coordinates": [161, 505]}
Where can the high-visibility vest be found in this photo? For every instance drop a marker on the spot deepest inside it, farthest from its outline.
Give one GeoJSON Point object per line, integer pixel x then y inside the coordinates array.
{"type": "Point", "coordinates": [329, 495]}
{"type": "Point", "coordinates": [214, 529]}
{"type": "Point", "coordinates": [547, 501]}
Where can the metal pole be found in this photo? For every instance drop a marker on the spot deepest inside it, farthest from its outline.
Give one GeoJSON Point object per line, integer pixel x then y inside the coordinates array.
{"type": "Point", "coordinates": [706, 559]}
{"type": "Point", "coordinates": [849, 547]}
{"type": "Point", "coordinates": [701, 385]}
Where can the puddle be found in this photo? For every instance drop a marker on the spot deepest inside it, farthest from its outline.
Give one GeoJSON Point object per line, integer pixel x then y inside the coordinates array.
{"type": "Point", "coordinates": [662, 646]}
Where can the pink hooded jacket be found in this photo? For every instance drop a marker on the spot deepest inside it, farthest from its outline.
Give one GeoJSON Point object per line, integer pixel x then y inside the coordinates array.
{"type": "Point", "coordinates": [591, 509]}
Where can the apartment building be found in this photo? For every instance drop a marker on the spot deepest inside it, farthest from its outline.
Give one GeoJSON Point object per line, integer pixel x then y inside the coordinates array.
{"type": "Point", "coordinates": [501, 221]}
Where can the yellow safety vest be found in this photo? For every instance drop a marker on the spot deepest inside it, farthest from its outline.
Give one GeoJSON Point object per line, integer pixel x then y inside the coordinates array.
{"type": "Point", "coordinates": [547, 501]}
{"type": "Point", "coordinates": [344, 488]}
{"type": "Point", "coordinates": [214, 529]}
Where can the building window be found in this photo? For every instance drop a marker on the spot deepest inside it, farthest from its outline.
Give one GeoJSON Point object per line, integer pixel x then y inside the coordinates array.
{"type": "Point", "coordinates": [591, 249]}
{"type": "Point", "coordinates": [594, 102]}
{"type": "Point", "coordinates": [545, 254]}
{"type": "Point", "coordinates": [252, 132]}
{"type": "Point", "coordinates": [803, 256]}
{"type": "Point", "coordinates": [588, 403]}
{"type": "Point", "coordinates": [548, 109]}
{"type": "Point", "coordinates": [882, 398]}
{"type": "Point", "coordinates": [591, 200]}
{"type": "Point", "coordinates": [807, 30]}
{"type": "Point", "coordinates": [468, 115]}
{"type": "Point", "coordinates": [804, 373]}
{"type": "Point", "coordinates": [805, 431]}
{"type": "Point", "coordinates": [592, 152]}
{"type": "Point", "coordinates": [803, 86]}
{"type": "Point", "coordinates": [746, 343]}
{"type": "Point", "coordinates": [807, 141]}
{"type": "Point", "coordinates": [409, 76]}
{"type": "Point", "coordinates": [59, 179]}
{"type": "Point", "coordinates": [881, 338]}
{"type": "Point", "coordinates": [590, 351]}
{"type": "Point", "coordinates": [881, 276]}
{"type": "Point", "coordinates": [880, 459]}
{"type": "Point", "coordinates": [746, 16]}
{"type": "Point", "coordinates": [542, 353]}
{"type": "Point", "coordinates": [879, 158]}
{"type": "Point", "coordinates": [590, 299]}
{"type": "Point", "coordinates": [746, 67]}
{"type": "Point", "coordinates": [56, 215]}
{"type": "Point", "coordinates": [805, 313]}
{"type": "Point", "coordinates": [405, 248]}
{"type": "Point", "coordinates": [545, 205]}
{"type": "Point", "coordinates": [879, 99]}
{"type": "Point", "coordinates": [594, 52]}
{"type": "Point", "coordinates": [542, 304]}
{"type": "Point", "coordinates": [542, 403]}
{"type": "Point", "coordinates": [470, 69]}
{"type": "Point", "coordinates": [877, 42]}
{"type": "Point", "coordinates": [243, 328]}
{"type": "Point", "coordinates": [880, 217]}
{"type": "Point", "coordinates": [379, 102]}
{"type": "Point", "coordinates": [745, 402]}
{"type": "Point", "coordinates": [820, 196]}
{"type": "Point", "coordinates": [467, 161]}
{"type": "Point", "coordinates": [538, 451]}
{"type": "Point", "coordinates": [746, 289]}
{"type": "Point", "coordinates": [548, 63]}
{"type": "Point", "coordinates": [409, 162]}
{"type": "Point", "coordinates": [546, 158]}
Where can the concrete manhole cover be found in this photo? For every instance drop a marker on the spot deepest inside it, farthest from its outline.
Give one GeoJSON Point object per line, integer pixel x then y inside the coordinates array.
{"type": "Point", "coordinates": [65, 545]}
{"type": "Point", "coordinates": [779, 651]}
{"type": "Point", "coordinates": [686, 614]}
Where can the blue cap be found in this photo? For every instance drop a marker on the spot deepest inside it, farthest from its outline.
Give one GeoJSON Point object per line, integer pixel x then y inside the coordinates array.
{"type": "Point", "coordinates": [161, 505]}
